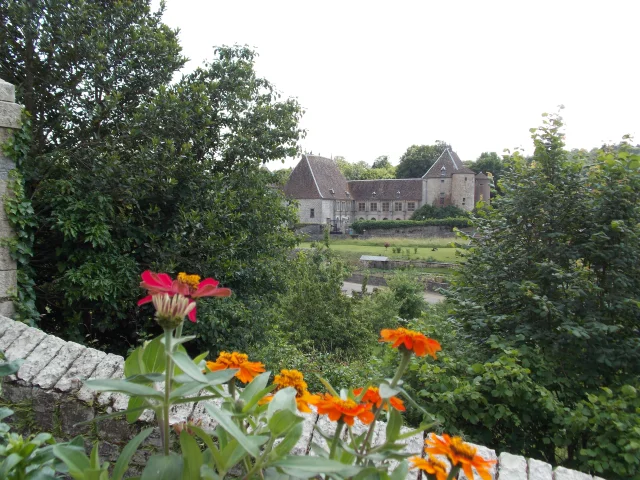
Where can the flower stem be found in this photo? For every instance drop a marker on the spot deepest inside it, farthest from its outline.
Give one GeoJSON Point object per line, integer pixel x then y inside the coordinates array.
{"type": "Point", "coordinates": [453, 474]}
{"type": "Point", "coordinates": [404, 363]}
{"type": "Point", "coordinates": [168, 335]}
{"type": "Point", "coordinates": [336, 437]}
{"type": "Point", "coordinates": [372, 427]}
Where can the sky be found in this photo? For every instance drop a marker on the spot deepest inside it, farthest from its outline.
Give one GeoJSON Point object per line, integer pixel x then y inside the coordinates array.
{"type": "Point", "coordinates": [376, 77]}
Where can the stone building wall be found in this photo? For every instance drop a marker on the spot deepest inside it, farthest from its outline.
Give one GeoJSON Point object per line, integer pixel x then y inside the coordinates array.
{"type": "Point", "coordinates": [10, 114]}
{"type": "Point", "coordinates": [463, 191]}
{"type": "Point", "coordinates": [48, 394]}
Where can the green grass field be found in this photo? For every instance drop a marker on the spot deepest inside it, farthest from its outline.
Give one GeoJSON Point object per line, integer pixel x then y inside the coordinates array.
{"type": "Point", "coordinates": [352, 250]}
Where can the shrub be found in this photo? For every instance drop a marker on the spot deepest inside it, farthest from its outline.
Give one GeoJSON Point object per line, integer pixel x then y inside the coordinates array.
{"type": "Point", "coordinates": [427, 211]}
{"type": "Point", "coordinates": [363, 225]}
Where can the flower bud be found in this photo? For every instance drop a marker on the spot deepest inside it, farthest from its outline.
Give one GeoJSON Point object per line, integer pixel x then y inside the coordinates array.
{"type": "Point", "coordinates": [171, 310]}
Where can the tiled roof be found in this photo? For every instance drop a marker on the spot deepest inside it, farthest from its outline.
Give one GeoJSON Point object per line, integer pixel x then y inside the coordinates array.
{"type": "Point", "coordinates": [451, 163]}
{"type": "Point", "coordinates": [409, 189]}
{"type": "Point", "coordinates": [481, 176]}
{"type": "Point", "coordinates": [316, 177]}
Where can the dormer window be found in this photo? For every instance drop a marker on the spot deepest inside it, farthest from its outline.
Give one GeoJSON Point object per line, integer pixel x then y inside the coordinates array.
{"type": "Point", "coordinates": [443, 171]}
{"type": "Point", "coordinates": [398, 194]}
{"type": "Point", "coordinates": [374, 194]}
{"type": "Point", "coordinates": [332, 191]}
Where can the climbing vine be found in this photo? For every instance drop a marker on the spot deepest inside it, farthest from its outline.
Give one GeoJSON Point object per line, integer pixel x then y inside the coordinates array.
{"type": "Point", "coordinates": [22, 219]}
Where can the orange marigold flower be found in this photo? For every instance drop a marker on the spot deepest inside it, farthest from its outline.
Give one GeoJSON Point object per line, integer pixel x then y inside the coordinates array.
{"type": "Point", "coordinates": [431, 465]}
{"type": "Point", "coordinates": [294, 379]}
{"type": "Point", "coordinates": [411, 340]}
{"type": "Point", "coordinates": [373, 396]}
{"type": "Point", "coordinates": [338, 409]}
{"type": "Point", "coordinates": [459, 453]}
{"type": "Point", "coordinates": [247, 370]}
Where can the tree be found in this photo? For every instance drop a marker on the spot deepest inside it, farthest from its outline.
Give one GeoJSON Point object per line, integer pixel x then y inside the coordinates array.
{"type": "Point", "coordinates": [362, 171]}
{"type": "Point", "coordinates": [554, 273]}
{"type": "Point", "coordinates": [415, 162]}
{"type": "Point", "coordinates": [128, 172]}
{"type": "Point", "coordinates": [382, 162]}
{"type": "Point", "coordinates": [489, 162]}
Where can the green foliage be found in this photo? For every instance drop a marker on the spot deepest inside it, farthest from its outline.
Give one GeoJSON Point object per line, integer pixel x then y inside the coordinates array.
{"type": "Point", "coordinates": [553, 273]}
{"type": "Point", "coordinates": [415, 162]}
{"type": "Point", "coordinates": [127, 171]}
{"type": "Point", "coordinates": [606, 429]}
{"type": "Point", "coordinates": [490, 162]}
{"type": "Point", "coordinates": [427, 211]}
{"type": "Point", "coordinates": [408, 294]}
{"type": "Point", "coordinates": [363, 225]}
{"type": "Point", "coordinates": [362, 171]}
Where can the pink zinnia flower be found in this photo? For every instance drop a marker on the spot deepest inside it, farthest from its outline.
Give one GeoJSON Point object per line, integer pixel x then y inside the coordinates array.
{"type": "Point", "coordinates": [189, 286]}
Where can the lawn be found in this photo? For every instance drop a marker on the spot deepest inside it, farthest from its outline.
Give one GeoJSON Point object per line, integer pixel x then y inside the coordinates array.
{"type": "Point", "coordinates": [352, 250]}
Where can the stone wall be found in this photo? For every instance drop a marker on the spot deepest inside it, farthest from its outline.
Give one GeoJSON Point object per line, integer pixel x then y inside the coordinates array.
{"type": "Point", "coordinates": [47, 394]}
{"type": "Point", "coordinates": [412, 232]}
{"type": "Point", "coordinates": [10, 113]}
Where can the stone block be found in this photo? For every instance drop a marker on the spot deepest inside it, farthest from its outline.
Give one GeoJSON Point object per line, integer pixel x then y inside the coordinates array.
{"type": "Point", "coordinates": [104, 369]}
{"type": "Point", "coordinates": [44, 408]}
{"type": "Point", "coordinates": [23, 345]}
{"type": "Point", "coordinates": [7, 309]}
{"type": "Point", "coordinates": [6, 230]}
{"type": "Point", "coordinates": [6, 262]}
{"type": "Point", "coordinates": [81, 369]}
{"type": "Point", "coordinates": [11, 333]}
{"type": "Point", "coordinates": [512, 466]}
{"type": "Point", "coordinates": [539, 470]}
{"type": "Point", "coordinates": [71, 414]}
{"type": "Point", "coordinates": [10, 114]}
{"type": "Point", "coordinates": [58, 366]}
{"type": "Point", "coordinates": [208, 424]}
{"type": "Point", "coordinates": [115, 430]}
{"type": "Point", "coordinates": [561, 473]}
{"type": "Point", "coordinates": [6, 324]}
{"type": "Point", "coordinates": [7, 92]}
{"type": "Point", "coordinates": [487, 454]}
{"type": "Point", "coordinates": [39, 358]}
{"type": "Point", "coordinates": [105, 398]}
{"type": "Point", "coordinates": [14, 393]}
{"type": "Point", "coordinates": [8, 283]}
{"type": "Point", "coordinates": [6, 165]}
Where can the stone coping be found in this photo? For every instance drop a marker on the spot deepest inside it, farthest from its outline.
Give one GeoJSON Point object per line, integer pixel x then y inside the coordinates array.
{"type": "Point", "coordinates": [49, 387]}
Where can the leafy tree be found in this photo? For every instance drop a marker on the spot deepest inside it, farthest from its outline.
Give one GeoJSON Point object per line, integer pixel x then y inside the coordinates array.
{"type": "Point", "coordinates": [489, 162]}
{"type": "Point", "coordinates": [281, 176]}
{"type": "Point", "coordinates": [128, 172]}
{"type": "Point", "coordinates": [415, 162]}
{"type": "Point", "coordinates": [362, 171]}
{"type": "Point", "coordinates": [554, 272]}
{"type": "Point", "coordinates": [427, 211]}
{"type": "Point", "coordinates": [381, 162]}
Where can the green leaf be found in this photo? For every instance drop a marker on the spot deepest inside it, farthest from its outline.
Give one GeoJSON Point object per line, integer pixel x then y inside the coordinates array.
{"type": "Point", "coordinates": [393, 425]}
{"type": "Point", "coordinates": [153, 356]}
{"type": "Point", "coordinates": [206, 473]}
{"type": "Point", "coordinates": [8, 464]}
{"type": "Point", "coordinates": [134, 408]}
{"type": "Point", "coordinates": [289, 441]}
{"type": "Point", "coordinates": [282, 421]}
{"type": "Point", "coordinates": [185, 363]}
{"type": "Point", "coordinates": [74, 458]}
{"type": "Point", "coordinates": [256, 385]}
{"type": "Point", "coordinates": [284, 399]}
{"type": "Point", "coordinates": [127, 453]}
{"type": "Point", "coordinates": [5, 412]}
{"type": "Point", "coordinates": [304, 467]}
{"type": "Point", "coordinates": [9, 368]}
{"type": "Point", "coordinates": [160, 467]}
{"type": "Point", "coordinates": [401, 471]}
{"type": "Point", "coordinates": [122, 386]}
{"type": "Point", "coordinates": [386, 391]}
{"type": "Point", "coordinates": [225, 420]}
{"type": "Point", "coordinates": [192, 456]}
{"type": "Point", "coordinates": [94, 459]}
{"type": "Point", "coordinates": [206, 438]}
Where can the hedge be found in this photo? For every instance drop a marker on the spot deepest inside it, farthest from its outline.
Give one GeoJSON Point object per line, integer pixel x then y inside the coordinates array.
{"type": "Point", "coordinates": [360, 226]}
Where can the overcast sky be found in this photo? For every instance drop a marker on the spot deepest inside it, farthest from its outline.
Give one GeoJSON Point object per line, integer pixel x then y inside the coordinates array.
{"type": "Point", "coordinates": [375, 77]}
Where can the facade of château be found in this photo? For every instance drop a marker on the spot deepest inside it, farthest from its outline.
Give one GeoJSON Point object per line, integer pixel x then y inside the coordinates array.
{"type": "Point", "coordinates": [326, 197]}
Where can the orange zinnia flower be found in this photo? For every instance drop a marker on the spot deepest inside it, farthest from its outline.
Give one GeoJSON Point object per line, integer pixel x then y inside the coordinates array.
{"type": "Point", "coordinates": [459, 453]}
{"type": "Point", "coordinates": [338, 409]}
{"type": "Point", "coordinates": [373, 396]}
{"type": "Point", "coordinates": [247, 370]}
{"type": "Point", "coordinates": [295, 379]}
{"type": "Point", "coordinates": [431, 465]}
{"type": "Point", "coordinates": [411, 340]}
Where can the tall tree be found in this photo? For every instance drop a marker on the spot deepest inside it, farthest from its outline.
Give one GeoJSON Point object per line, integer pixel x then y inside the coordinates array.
{"type": "Point", "coordinates": [489, 162]}
{"type": "Point", "coordinates": [128, 172]}
{"type": "Point", "coordinates": [362, 171]}
{"type": "Point", "coordinates": [415, 162]}
{"type": "Point", "coordinates": [381, 162]}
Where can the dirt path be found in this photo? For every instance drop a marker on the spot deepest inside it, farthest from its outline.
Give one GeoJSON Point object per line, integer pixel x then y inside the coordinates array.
{"type": "Point", "coordinates": [350, 287]}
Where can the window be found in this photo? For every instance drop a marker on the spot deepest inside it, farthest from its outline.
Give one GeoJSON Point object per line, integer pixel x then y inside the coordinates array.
{"type": "Point", "coordinates": [411, 206]}
{"type": "Point", "coordinates": [344, 207]}
{"type": "Point", "coordinates": [398, 206]}
{"type": "Point", "coordinates": [374, 206]}
{"type": "Point", "coordinates": [385, 218]}
{"type": "Point", "coordinates": [442, 181]}
{"type": "Point", "coordinates": [441, 200]}
{"type": "Point", "coordinates": [385, 206]}
{"type": "Point", "coordinates": [463, 200]}
{"type": "Point", "coordinates": [398, 219]}
{"type": "Point", "coordinates": [361, 218]}
{"type": "Point", "coordinates": [372, 219]}
{"type": "Point", "coordinates": [465, 179]}
{"type": "Point", "coordinates": [361, 207]}
{"type": "Point", "coordinates": [312, 213]}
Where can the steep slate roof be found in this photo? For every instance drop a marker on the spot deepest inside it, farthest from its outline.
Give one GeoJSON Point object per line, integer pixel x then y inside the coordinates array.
{"type": "Point", "coordinates": [481, 176]}
{"type": "Point", "coordinates": [316, 177]}
{"type": "Point", "coordinates": [452, 164]}
{"type": "Point", "coordinates": [409, 188]}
